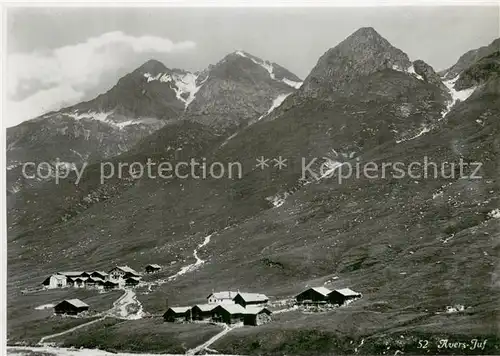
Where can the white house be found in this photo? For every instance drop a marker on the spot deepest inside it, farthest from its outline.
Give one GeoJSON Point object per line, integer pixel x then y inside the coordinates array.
{"type": "Point", "coordinates": [122, 272]}
{"type": "Point", "coordinates": [55, 281]}
{"type": "Point", "coordinates": [225, 297]}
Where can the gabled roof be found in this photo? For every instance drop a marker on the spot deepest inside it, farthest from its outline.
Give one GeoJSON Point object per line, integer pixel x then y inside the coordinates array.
{"type": "Point", "coordinates": [253, 297]}
{"type": "Point", "coordinates": [80, 278]}
{"type": "Point", "coordinates": [223, 295]}
{"type": "Point", "coordinates": [126, 269]}
{"type": "Point", "coordinates": [153, 265]}
{"type": "Point", "coordinates": [111, 282]}
{"type": "Point", "coordinates": [96, 279]}
{"type": "Point", "coordinates": [76, 303]}
{"type": "Point", "coordinates": [254, 310]}
{"type": "Point", "coordinates": [100, 272]}
{"type": "Point", "coordinates": [71, 273]}
{"type": "Point", "coordinates": [179, 310]}
{"type": "Point", "coordinates": [206, 307]}
{"type": "Point", "coordinates": [347, 292]}
{"type": "Point", "coordinates": [232, 308]}
{"type": "Point", "coordinates": [321, 290]}
{"type": "Point", "coordinates": [138, 279]}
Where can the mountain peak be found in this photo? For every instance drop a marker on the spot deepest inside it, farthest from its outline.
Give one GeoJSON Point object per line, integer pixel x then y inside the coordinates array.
{"type": "Point", "coordinates": [366, 32]}
{"type": "Point", "coordinates": [364, 52]}
{"type": "Point", "coordinates": [153, 67]}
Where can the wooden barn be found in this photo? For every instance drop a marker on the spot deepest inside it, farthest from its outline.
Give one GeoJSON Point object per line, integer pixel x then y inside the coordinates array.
{"type": "Point", "coordinates": [152, 268]}
{"type": "Point", "coordinates": [95, 282]}
{"type": "Point", "coordinates": [132, 281]}
{"type": "Point", "coordinates": [245, 299]}
{"type": "Point", "coordinates": [316, 295]}
{"type": "Point", "coordinates": [228, 313]}
{"type": "Point", "coordinates": [256, 315]}
{"type": "Point", "coordinates": [177, 314]}
{"type": "Point", "coordinates": [202, 311]}
{"type": "Point", "coordinates": [99, 274]}
{"type": "Point", "coordinates": [340, 296]}
{"type": "Point", "coordinates": [55, 281]}
{"type": "Point", "coordinates": [78, 282]}
{"type": "Point", "coordinates": [108, 285]}
{"type": "Point", "coordinates": [71, 307]}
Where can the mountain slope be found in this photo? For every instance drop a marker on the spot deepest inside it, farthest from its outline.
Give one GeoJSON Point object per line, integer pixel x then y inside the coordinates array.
{"type": "Point", "coordinates": [239, 89]}
{"type": "Point", "coordinates": [467, 59]}
{"type": "Point", "coordinates": [412, 246]}
{"type": "Point", "coordinates": [140, 103]}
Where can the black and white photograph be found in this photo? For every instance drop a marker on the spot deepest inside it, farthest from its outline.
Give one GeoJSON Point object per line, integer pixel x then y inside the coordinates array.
{"type": "Point", "coordinates": [248, 179]}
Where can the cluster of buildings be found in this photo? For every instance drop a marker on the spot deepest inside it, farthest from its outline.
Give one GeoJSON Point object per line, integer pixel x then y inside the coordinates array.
{"type": "Point", "coordinates": [225, 307]}
{"type": "Point", "coordinates": [117, 277]}
{"type": "Point", "coordinates": [251, 308]}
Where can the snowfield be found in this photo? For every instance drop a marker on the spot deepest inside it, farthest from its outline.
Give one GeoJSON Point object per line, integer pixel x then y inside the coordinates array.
{"type": "Point", "coordinates": [184, 83]}
{"type": "Point", "coordinates": [270, 69]}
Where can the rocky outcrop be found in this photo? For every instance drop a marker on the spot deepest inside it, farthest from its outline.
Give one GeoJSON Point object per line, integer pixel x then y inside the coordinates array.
{"type": "Point", "coordinates": [239, 89]}
{"type": "Point", "coordinates": [428, 73]}
{"type": "Point", "coordinates": [480, 72]}
{"type": "Point", "coordinates": [469, 58]}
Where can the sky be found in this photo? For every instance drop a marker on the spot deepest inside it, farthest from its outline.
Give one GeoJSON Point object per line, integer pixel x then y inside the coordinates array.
{"type": "Point", "coordinates": [57, 57]}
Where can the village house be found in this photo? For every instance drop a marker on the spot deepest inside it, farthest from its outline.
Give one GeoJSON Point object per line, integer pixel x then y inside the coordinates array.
{"type": "Point", "coordinates": [152, 268]}
{"type": "Point", "coordinates": [109, 285]}
{"type": "Point", "coordinates": [122, 272]}
{"type": "Point", "coordinates": [202, 311]}
{"type": "Point", "coordinates": [55, 281]}
{"type": "Point", "coordinates": [245, 299]}
{"type": "Point", "coordinates": [340, 296]}
{"type": "Point", "coordinates": [221, 297]}
{"type": "Point", "coordinates": [132, 281]}
{"type": "Point", "coordinates": [72, 274]}
{"type": "Point", "coordinates": [99, 274]}
{"type": "Point", "coordinates": [256, 315]}
{"type": "Point", "coordinates": [77, 282]}
{"type": "Point", "coordinates": [316, 295]}
{"type": "Point", "coordinates": [228, 313]}
{"type": "Point", "coordinates": [71, 307]}
{"type": "Point", "coordinates": [176, 314]}
{"type": "Point", "coordinates": [94, 282]}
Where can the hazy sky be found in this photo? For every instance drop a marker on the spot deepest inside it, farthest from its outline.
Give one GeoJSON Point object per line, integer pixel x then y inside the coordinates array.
{"type": "Point", "coordinates": [60, 56]}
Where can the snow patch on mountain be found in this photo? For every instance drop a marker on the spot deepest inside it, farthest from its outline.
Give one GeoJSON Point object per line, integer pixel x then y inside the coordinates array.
{"type": "Point", "coordinates": [105, 118]}
{"type": "Point", "coordinates": [424, 130]}
{"type": "Point", "coordinates": [184, 83]}
{"type": "Point", "coordinates": [270, 69]}
{"type": "Point", "coordinates": [276, 102]}
{"type": "Point", "coordinates": [410, 70]}
{"type": "Point", "coordinates": [92, 115]}
{"type": "Point", "coordinates": [456, 95]}
{"type": "Point", "coordinates": [291, 83]}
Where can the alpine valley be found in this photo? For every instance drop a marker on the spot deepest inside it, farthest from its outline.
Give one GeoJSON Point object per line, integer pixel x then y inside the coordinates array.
{"type": "Point", "coordinates": [422, 251]}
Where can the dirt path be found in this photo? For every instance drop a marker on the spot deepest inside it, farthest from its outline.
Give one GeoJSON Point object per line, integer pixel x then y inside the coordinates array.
{"type": "Point", "coordinates": [45, 338]}
{"type": "Point", "coordinates": [212, 340]}
{"type": "Point", "coordinates": [127, 307]}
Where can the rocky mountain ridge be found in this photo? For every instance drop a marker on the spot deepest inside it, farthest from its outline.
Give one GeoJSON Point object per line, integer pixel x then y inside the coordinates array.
{"type": "Point", "coordinates": [277, 232]}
